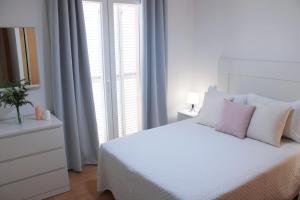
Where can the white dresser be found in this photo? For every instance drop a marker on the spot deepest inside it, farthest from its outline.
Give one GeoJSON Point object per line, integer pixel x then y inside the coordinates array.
{"type": "Point", "coordinates": [32, 159]}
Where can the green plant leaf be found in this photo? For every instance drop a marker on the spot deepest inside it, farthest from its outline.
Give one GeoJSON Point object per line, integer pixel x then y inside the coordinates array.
{"type": "Point", "coordinates": [15, 94]}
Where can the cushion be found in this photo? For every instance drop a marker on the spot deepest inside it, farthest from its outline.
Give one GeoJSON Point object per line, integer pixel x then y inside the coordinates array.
{"type": "Point", "coordinates": [292, 128]}
{"type": "Point", "coordinates": [268, 121]}
{"type": "Point", "coordinates": [237, 98]}
{"type": "Point", "coordinates": [240, 98]}
{"type": "Point", "coordinates": [211, 109]}
{"type": "Point", "coordinates": [235, 119]}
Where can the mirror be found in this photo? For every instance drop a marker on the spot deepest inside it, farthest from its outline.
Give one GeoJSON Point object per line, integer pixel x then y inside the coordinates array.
{"type": "Point", "coordinates": [18, 55]}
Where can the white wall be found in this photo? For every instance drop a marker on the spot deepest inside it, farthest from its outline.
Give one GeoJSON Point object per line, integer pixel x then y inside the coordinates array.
{"type": "Point", "coordinates": [251, 29]}
{"type": "Point", "coordinates": [181, 52]}
{"type": "Point", "coordinates": [31, 13]}
{"type": "Point", "coordinates": [199, 33]}
{"type": "Point", "coordinates": [181, 47]}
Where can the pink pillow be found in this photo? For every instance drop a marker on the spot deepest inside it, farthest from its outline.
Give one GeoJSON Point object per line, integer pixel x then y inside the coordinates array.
{"type": "Point", "coordinates": [235, 118]}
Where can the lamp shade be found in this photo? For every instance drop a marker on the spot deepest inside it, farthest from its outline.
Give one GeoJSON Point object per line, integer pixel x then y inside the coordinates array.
{"type": "Point", "coordinates": [192, 98]}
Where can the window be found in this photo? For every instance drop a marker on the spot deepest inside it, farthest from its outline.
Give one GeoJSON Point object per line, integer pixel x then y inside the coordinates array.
{"type": "Point", "coordinates": [113, 37]}
{"type": "Point", "coordinates": [126, 26]}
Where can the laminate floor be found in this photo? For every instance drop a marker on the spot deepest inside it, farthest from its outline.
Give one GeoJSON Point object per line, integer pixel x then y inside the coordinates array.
{"type": "Point", "coordinates": [83, 186]}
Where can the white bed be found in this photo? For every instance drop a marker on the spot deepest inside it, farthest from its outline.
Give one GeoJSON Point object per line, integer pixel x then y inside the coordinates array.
{"type": "Point", "coordinates": [185, 160]}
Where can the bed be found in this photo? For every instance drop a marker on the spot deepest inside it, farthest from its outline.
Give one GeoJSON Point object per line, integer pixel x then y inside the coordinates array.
{"type": "Point", "coordinates": [186, 160]}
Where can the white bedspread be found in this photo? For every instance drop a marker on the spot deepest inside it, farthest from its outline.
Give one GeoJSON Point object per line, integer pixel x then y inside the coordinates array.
{"type": "Point", "coordinates": [189, 161]}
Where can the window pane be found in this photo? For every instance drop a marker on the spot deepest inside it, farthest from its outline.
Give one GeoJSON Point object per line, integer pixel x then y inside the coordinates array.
{"type": "Point", "coordinates": [93, 16]}
{"type": "Point", "coordinates": [127, 36]}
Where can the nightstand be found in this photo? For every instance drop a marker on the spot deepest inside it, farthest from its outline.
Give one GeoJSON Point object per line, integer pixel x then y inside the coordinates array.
{"type": "Point", "coordinates": [186, 114]}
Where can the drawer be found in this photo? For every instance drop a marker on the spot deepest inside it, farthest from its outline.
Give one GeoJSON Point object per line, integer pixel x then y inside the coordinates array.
{"type": "Point", "coordinates": [30, 143]}
{"type": "Point", "coordinates": [30, 166]}
{"type": "Point", "coordinates": [35, 186]}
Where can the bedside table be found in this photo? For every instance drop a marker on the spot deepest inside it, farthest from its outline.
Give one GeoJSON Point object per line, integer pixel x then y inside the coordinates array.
{"type": "Point", "coordinates": [186, 114]}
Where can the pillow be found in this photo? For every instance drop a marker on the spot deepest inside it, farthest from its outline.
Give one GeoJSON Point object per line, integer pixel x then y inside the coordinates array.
{"type": "Point", "coordinates": [292, 128]}
{"type": "Point", "coordinates": [211, 109]}
{"type": "Point", "coordinates": [235, 119]}
{"type": "Point", "coordinates": [240, 98]}
{"type": "Point", "coordinates": [268, 121]}
{"type": "Point", "coordinates": [237, 98]}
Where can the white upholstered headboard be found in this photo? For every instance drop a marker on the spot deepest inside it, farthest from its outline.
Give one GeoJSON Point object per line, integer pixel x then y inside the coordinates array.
{"type": "Point", "coordinates": [278, 80]}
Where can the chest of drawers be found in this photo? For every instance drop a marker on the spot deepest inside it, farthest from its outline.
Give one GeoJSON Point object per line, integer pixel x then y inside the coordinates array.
{"type": "Point", "coordinates": [32, 159]}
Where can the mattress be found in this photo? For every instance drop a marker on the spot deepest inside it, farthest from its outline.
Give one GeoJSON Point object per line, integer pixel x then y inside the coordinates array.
{"type": "Point", "coordinates": [185, 160]}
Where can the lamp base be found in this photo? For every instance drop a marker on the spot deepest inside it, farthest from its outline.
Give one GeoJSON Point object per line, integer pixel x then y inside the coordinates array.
{"type": "Point", "coordinates": [192, 108]}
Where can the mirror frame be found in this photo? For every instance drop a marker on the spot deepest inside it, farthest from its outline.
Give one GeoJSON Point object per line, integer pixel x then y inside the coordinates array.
{"type": "Point", "coordinates": [33, 86]}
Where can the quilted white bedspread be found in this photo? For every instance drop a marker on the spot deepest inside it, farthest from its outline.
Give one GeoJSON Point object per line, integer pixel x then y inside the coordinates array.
{"type": "Point", "coordinates": [189, 161]}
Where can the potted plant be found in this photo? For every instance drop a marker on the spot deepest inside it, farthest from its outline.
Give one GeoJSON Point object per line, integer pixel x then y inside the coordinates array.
{"type": "Point", "coordinates": [15, 95]}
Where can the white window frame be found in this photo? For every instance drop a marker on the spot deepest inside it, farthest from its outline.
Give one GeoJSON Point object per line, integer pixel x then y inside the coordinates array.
{"type": "Point", "coordinates": [110, 65]}
{"type": "Point", "coordinates": [113, 61]}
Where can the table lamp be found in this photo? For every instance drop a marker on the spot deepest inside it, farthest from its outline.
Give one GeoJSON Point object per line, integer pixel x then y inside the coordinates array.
{"type": "Point", "coordinates": [192, 99]}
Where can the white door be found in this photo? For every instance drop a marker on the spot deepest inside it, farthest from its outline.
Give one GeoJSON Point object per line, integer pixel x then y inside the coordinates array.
{"type": "Point", "coordinates": [113, 36]}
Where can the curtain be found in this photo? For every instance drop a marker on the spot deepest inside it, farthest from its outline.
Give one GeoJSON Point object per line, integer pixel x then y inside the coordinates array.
{"type": "Point", "coordinates": [154, 63]}
{"type": "Point", "coordinates": [71, 81]}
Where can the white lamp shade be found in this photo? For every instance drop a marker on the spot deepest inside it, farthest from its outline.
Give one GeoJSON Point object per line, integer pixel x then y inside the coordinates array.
{"type": "Point", "coordinates": [192, 98]}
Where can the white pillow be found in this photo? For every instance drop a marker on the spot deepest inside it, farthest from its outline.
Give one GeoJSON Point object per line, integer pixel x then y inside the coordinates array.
{"type": "Point", "coordinates": [240, 98]}
{"type": "Point", "coordinates": [292, 128]}
{"type": "Point", "coordinates": [211, 110]}
{"type": "Point", "coordinates": [268, 120]}
{"type": "Point", "coordinates": [237, 98]}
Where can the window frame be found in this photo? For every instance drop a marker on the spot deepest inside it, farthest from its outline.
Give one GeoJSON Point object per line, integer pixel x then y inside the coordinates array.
{"type": "Point", "coordinates": [110, 79]}
{"type": "Point", "coordinates": [113, 62]}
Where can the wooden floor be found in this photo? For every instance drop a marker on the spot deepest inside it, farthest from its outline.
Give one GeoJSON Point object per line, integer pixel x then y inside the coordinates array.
{"type": "Point", "coordinates": [83, 187]}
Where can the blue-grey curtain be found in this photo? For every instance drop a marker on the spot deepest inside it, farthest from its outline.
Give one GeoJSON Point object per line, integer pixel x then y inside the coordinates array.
{"type": "Point", "coordinates": [71, 81]}
{"type": "Point", "coordinates": [154, 63]}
